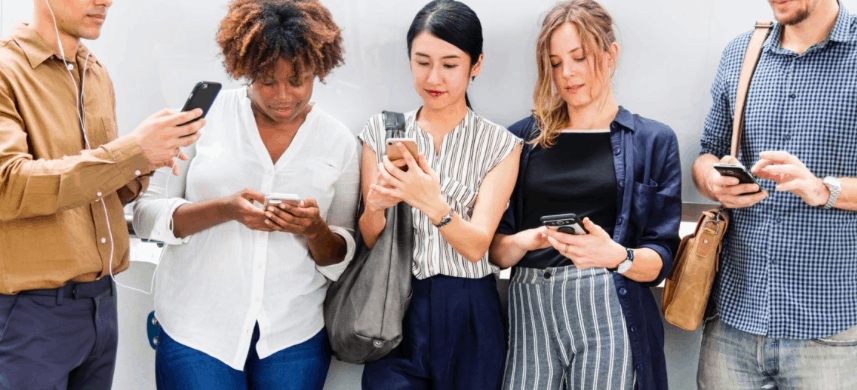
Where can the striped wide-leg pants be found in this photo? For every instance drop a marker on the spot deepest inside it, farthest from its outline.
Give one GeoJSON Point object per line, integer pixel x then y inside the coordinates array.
{"type": "Point", "coordinates": [566, 331]}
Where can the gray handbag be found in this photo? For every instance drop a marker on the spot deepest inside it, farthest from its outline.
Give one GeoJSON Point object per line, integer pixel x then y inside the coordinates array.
{"type": "Point", "coordinates": [363, 310]}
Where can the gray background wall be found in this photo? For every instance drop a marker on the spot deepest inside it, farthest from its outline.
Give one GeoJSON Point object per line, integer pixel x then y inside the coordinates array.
{"type": "Point", "coordinates": [156, 50]}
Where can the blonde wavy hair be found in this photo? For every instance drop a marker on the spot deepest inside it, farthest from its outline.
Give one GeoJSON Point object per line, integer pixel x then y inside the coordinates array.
{"type": "Point", "coordinates": [595, 26]}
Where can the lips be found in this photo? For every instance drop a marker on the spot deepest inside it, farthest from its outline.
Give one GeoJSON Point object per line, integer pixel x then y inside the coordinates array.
{"type": "Point", "coordinates": [98, 17]}
{"type": "Point", "coordinates": [284, 111]}
{"type": "Point", "coordinates": [433, 93]}
{"type": "Point", "coordinates": [573, 88]}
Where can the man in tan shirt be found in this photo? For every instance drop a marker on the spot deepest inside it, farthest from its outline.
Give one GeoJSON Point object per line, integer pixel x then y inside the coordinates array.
{"type": "Point", "coordinates": [64, 178]}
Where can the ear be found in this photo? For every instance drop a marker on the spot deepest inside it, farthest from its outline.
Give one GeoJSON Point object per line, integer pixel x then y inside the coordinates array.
{"type": "Point", "coordinates": [477, 67]}
{"type": "Point", "coordinates": [612, 56]}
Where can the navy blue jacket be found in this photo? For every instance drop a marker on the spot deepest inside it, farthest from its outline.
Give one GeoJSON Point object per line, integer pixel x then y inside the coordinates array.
{"type": "Point", "coordinates": [648, 175]}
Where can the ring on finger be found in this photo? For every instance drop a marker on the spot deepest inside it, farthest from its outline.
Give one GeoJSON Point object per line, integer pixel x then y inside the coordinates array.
{"type": "Point", "coordinates": [565, 251]}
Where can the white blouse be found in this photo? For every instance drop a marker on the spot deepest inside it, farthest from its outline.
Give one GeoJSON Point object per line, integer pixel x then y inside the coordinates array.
{"type": "Point", "coordinates": [466, 155]}
{"type": "Point", "coordinates": [215, 285]}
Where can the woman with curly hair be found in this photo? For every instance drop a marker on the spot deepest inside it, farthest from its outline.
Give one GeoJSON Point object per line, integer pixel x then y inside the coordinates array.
{"type": "Point", "coordinates": [240, 289]}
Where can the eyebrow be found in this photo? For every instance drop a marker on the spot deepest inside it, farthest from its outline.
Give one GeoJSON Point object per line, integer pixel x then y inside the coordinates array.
{"type": "Point", "coordinates": [570, 51]}
{"type": "Point", "coordinates": [452, 56]}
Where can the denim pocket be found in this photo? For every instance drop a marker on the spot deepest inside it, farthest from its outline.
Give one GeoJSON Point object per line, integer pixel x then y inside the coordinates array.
{"type": "Point", "coordinates": [847, 338]}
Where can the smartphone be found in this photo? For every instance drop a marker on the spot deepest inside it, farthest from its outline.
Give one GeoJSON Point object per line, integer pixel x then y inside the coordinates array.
{"type": "Point", "coordinates": [202, 96]}
{"type": "Point", "coordinates": [564, 223]}
{"type": "Point", "coordinates": [393, 152]}
{"type": "Point", "coordinates": [733, 170]}
{"type": "Point", "coordinates": [275, 199]}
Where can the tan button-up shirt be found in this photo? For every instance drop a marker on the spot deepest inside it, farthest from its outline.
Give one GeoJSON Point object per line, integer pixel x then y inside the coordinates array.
{"type": "Point", "coordinates": [56, 195]}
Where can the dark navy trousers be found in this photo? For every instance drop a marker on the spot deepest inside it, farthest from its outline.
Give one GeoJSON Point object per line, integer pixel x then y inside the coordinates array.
{"type": "Point", "coordinates": [453, 339]}
{"type": "Point", "coordinates": [56, 342]}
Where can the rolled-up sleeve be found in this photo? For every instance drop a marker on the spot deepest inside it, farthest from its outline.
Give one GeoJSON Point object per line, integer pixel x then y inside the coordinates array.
{"type": "Point", "coordinates": [717, 128]}
{"type": "Point", "coordinates": [661, 232]}
{"type": "Point", "coordinates": [342, 215]}
{"type": "Point", "coordinates": [153, 212]}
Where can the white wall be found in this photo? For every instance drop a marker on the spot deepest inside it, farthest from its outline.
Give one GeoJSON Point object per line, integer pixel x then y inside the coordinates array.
{"type": "Point", "coordinates": [156, 50]}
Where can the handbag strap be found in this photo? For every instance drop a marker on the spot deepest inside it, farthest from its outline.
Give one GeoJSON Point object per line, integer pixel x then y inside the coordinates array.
{"type": "Point", "coordinates": [394, 123]}
{"type": "Point", "coordinates": [751, 59]}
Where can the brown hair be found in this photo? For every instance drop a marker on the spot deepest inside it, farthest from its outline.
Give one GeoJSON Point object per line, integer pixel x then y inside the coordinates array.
{"type": "Point", "coordinates": [596, 33]}
{"type": "Point", "coordinates": [255, 34]}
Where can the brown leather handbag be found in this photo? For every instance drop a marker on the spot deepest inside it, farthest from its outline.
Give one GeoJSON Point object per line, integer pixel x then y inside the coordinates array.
{"type": "Point", "coordinates": [688, 285]}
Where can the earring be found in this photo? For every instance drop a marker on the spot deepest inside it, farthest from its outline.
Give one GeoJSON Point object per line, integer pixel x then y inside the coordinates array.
{"type": "Point", "coordinates": [472, 79]}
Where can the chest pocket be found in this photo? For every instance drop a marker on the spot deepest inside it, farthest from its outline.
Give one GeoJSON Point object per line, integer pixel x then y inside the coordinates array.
{"type": "Point", "coordinates": [643, 198]}
{"type": "Point", "coordinates": [461, 197]}
{"type": "Point", "coordinates": [324, 174]}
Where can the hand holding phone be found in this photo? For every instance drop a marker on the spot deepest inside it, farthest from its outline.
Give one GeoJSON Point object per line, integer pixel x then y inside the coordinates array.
{"type": "Point", "coordinates": [202, 96]}
{"type": "Point", "coordinates": [274, 199]}
{"type": "Point", "coordinates": [393, 152]}
{"type": "Point", "coordinates": [737, 171]}
{"type": "Point", "coordinates": [564, 223]}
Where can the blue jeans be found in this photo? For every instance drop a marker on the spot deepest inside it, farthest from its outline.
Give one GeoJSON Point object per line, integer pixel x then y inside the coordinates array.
{"type": "Point", "coordinates": [736, 360]}
{"type": "Point", "coordinates": [299, 367]}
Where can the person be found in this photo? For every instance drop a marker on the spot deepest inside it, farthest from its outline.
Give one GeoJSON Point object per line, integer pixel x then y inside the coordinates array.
{"type": "Point", "coordinates": [64, 178]}
{"type": "Point", "coordinates": [581, 315]}
{"type": "Point", "coordinates": [240, 289]}
{"type": "Point", "coordinates": [457, 187]}
{"type": "Point", "coordinates": [786, 295]}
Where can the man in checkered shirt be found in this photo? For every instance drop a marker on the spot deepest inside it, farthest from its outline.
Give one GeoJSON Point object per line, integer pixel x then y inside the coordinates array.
{"type": "Point", "coordinates": [786, 295]}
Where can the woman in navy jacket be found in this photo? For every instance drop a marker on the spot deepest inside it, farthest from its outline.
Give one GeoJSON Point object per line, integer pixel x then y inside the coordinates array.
{"type": "Point", "coordinates": [580, 309]}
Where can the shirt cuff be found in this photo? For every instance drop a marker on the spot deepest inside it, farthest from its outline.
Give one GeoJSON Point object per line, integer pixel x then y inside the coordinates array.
{"type": "Point", "coordinates": [334, 271]}
{"type": "Point", "coordinates": [163, 227]}
{"type": "Point", "coordinates": [129, 157]}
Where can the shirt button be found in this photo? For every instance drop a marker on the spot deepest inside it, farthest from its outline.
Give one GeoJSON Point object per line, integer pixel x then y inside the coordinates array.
{"type": "Point", "coordinates": [778, 221]}
{"type": "Point", "coordinates": [103, 240]}
{"type": "Point", "coordinates": [788, 137]}
{"type": "Point", "coordinates": [137, 173]}
{"type": "Point", "coordinates": [633, 329]}
{"type": "Point", "coordinates": [639, 367]}
{"type": "Point", "coordinates": [792, 96]}
{"type": "Point", "coordinates": [617, 151]}
{"type": "Point", "coordinates": [623, 291]}
{"type": "Point", "coordinates": [620, 220]}
{"type": "Point", "coordinates": [547, 274]}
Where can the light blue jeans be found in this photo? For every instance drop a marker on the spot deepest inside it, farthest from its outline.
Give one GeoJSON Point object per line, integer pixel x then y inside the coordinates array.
{"type": "Point", "coordinates": [736, 360]}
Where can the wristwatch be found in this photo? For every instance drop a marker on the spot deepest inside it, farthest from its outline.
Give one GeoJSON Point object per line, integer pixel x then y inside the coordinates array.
{"type": "Point", "coordinates": [445, 220]}
{"type": "Point", "coordinates": [835, 186]}
{"type": "Point", "coordinates": [625, 265]}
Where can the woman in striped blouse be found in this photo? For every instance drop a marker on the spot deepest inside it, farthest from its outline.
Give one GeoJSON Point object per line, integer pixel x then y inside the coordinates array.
{"type": "Point", "coordinates": [581, 315]}
{"type": "Point", "coordinates": [458, 188]}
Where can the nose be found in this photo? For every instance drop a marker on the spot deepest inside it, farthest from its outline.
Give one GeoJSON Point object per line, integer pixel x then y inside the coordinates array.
{"type": "Point", "coordinates": [104, 3]}
{"type": "Point", "coordinates": [434, 76]}
{"type": "Point", "coordinates": [567, 70]}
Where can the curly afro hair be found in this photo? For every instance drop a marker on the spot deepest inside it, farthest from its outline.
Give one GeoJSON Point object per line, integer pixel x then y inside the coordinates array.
{"type": "Point", "coordinates": [255, 34]}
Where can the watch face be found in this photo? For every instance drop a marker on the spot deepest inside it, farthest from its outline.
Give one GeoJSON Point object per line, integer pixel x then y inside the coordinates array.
{"type": "Point", "coordinates": [626, 265]}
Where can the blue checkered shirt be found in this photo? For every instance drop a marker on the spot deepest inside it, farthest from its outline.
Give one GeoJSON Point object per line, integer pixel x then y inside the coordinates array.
{"type": "Point", "coordinates": [789, 270]}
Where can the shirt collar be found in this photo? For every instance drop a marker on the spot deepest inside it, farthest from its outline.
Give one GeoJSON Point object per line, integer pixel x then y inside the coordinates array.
{"type": "Point", "coordinates": [38, 50]}
{"type": "Point", "coordinates": [842, 31]}
{"type": "Point", "coordinates": [623, 118]}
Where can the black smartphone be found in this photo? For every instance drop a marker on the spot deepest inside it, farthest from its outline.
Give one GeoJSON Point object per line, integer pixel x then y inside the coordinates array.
{"type": "Point", "coordinates": [732, 170]}
{"type": "Point", "coordinates": [202, 96]}
{"type": "Point", "coordinates": [564, 223]}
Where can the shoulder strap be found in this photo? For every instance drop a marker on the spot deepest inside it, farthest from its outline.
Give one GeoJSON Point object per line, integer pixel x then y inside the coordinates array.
{"type": "Point", "coordinates": [394, 123]}
{"type": "Point", "coordinates": [751, 59]}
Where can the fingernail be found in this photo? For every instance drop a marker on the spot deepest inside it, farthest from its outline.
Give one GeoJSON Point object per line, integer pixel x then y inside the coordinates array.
{"type": "Point", "coordinates": [268, 215]}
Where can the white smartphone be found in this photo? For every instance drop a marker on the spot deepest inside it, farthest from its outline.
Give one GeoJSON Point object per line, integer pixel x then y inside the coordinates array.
{"type": "Point", "coordinates": [275, 199]}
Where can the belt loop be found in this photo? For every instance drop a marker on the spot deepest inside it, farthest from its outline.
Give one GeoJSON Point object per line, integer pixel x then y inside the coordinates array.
{"type": "Point", "coordinates": [59, 296]}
